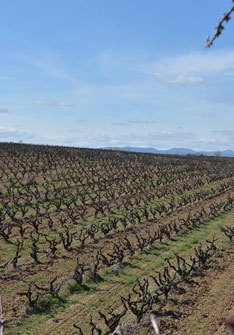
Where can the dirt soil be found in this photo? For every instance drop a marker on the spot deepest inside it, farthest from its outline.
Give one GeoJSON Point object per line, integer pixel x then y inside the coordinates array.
{"type": "Point", "coordinates": [206, 306]}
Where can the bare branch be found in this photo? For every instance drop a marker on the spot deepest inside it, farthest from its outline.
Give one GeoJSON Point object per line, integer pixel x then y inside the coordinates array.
{"type": "Point", "coordinates": [154, 324]}
{"type": "Point", "coordinates": [118, 330]}
{"type": "Point", "coordinates": [220, 27]}
{"type": "Point", "coordinates": [2, 320]}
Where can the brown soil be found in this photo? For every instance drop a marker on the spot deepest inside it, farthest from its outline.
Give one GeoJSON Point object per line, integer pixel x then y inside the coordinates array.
{"type": "Point", "coordinates": [205, 307]}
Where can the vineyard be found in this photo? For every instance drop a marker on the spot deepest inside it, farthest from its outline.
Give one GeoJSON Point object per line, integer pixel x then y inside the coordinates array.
{"type": "Point", "coordinates": [95, 241]}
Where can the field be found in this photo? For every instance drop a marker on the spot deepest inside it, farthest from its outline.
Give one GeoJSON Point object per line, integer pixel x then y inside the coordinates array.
{"type": "Point", "coordinates": [95, 239]}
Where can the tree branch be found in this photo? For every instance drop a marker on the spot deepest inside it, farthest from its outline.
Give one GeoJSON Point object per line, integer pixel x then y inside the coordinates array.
{"type": "Point", "coordinates": [2, 320]}
{"type": "Point", "coordinates": [220, 27]}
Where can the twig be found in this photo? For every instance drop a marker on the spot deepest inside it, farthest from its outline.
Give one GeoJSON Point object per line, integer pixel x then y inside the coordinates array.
{"type": "Point", "coordinates": [220, 27]}
{"type": "Point", "coordinates": [2, 320]}
{"type": "Point", "coordinates": [118, 330]}
{"type": "Point", "coordinates": [154, 324]}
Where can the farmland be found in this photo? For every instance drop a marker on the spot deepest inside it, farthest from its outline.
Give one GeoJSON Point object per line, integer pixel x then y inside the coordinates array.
{"type": "Point", "coordinates": [92, 239]}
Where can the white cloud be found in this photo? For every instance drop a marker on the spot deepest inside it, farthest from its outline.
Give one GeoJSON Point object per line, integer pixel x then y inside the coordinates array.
{"type": "Point", "coordinates": [183, 80]}
{"type": "Point", "coordinates": [157, 139]}
{"type": "Point", "coordinates": [209, 62]}
{"type": "Point", "coordinates": [192, 68]}
{"type": "Point", "coordinates": [141, 121]}
{"type": "Point", "coordinates": [134, 121]}
{"type": "Point", "coordinates": [122, 124]}
{"type": "Point", "coordinates": [12, 134]}
{"type": "Point", "coordinates": [161, 139]}
{"type": "Point", "coordinates": [225, 133]}
{"type": "Point", "coordinates": [179, 79]}
{"type": "Point", "coordinates": [51, 103]}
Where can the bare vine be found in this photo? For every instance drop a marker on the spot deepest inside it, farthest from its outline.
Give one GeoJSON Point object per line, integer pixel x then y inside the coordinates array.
{"type": "Point", "coordinates": [2, 320]}
{"type": "Point", "coordinates": [220, 27]}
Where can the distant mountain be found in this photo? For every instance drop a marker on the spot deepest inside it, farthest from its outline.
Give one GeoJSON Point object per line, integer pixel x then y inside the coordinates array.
{"type": "Point", "coordinates": [174, 151]}
{"type": "Point", "coordinates": [181, 151]}
{"type": "Point", "coordinates": [228, 153]}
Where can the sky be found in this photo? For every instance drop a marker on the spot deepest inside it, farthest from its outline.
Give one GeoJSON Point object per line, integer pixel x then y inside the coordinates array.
{"type": "Point", "coordinates": [100, 73]}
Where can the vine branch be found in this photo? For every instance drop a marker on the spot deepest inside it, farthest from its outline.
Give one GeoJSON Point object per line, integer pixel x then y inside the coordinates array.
{"type": "Point", "coordinates": [2, 320]}
{"type": "Point", "coordinates": [220, 27]}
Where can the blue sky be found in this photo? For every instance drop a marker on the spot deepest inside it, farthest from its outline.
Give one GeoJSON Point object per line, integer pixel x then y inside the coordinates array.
{"type": "Point", "coordinates": [109, 73]}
